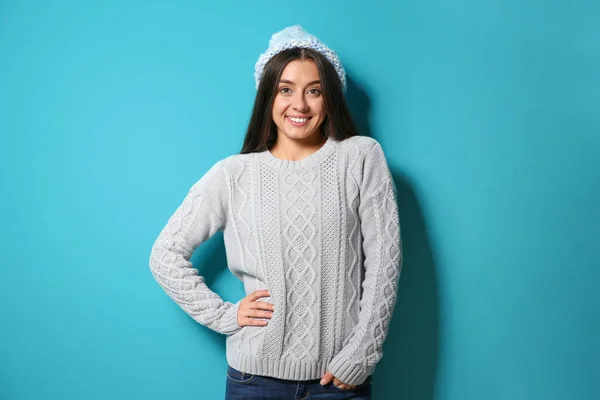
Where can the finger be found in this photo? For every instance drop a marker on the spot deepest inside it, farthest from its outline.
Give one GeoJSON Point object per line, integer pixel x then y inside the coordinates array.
{"type": "Point", "coordinates": [258, 294]}
{"type": "Point", "coordinates": [247, 311]}
{"type": "Point", "coordinates": [343, 386]}
{"type": "Point", "coordinates": [261, 305]}
{"type": "Point", "coordinates": [254, 314]}
{"type": "Point", "coordinates": [259, 314]}
{"type": "Point", "coordinates": [326, 378]}
{"type": "Point", "coordinates": [337, 382]}
{"type": "Point", "coordinates": [253, 322]}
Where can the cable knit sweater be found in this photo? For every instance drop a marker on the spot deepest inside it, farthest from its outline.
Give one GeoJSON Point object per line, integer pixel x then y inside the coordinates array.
{"type": "Point", "coordinates": [322, 234]}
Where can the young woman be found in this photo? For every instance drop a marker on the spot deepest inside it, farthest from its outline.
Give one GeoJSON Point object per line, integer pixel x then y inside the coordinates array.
{"type": "Point", "coordinates": [310, 224]}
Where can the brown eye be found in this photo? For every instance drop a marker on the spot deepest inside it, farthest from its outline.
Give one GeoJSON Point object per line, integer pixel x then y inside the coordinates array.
{"type": "Point", "coordinates": [314, 91]}
{"type": "Point", "coordinates": [285, 90]}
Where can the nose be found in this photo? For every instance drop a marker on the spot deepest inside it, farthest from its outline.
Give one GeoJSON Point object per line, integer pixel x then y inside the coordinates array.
{"type": "Point", "coordinates": [300, 103]}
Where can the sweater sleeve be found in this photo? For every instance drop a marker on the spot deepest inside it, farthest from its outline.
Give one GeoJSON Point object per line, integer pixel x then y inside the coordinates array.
{"type": "Point", "coordinates": [380, 226]}
{"type": "Point", "coordinates": [201, 214]}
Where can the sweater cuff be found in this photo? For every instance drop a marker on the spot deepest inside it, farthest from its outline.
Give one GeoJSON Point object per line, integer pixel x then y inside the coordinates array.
{"type": "Point", "coordinates": [349, 372]}
{"type": "Point", "coordinates": [228, 321]}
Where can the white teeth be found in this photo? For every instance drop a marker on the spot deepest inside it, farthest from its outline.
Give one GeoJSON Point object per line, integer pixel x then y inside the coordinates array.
{"type": "Point", "coordinates": [299, 120]}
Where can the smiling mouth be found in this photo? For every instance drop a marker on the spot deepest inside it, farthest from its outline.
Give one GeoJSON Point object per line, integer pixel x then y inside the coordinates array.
{"type": "Point", "coordinates": [299, 120]}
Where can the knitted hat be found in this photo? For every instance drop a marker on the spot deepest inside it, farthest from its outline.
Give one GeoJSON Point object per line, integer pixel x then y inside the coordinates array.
{"type": "Point", "coordinates": [296, 36]}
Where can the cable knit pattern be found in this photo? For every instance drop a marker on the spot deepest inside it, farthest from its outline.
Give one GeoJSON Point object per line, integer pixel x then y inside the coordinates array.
{"type": "Point", "coordinates": [322, 234]}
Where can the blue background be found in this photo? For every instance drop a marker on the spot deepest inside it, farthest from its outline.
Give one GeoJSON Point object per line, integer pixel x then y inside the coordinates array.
{"type": "Point", "coordinates": [488, 112]}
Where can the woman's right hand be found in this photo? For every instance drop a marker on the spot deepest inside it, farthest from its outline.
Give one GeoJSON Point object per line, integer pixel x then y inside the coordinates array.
{"type": "Point", "coordinates": [251, 312]}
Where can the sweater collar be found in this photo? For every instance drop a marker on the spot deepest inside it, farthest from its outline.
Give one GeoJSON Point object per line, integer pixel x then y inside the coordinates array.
{"type": "Point", "coordinates": [310, 161]}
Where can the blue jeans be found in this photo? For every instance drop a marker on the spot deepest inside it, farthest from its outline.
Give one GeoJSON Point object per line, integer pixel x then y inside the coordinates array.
{"type": "Point", "coordinates": [242, 386]}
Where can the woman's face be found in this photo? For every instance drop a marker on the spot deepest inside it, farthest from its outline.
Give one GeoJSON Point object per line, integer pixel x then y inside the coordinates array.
{"type": "Point", "coordinates": [298, 109]}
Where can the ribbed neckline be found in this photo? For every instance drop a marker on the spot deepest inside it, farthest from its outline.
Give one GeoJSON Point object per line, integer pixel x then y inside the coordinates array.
{"type": "Point", "coordinates": [312, 160]}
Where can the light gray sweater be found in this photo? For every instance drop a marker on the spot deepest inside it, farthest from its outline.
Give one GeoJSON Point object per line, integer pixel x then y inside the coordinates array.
{"type": "Point", "coordinates": [322, 234]}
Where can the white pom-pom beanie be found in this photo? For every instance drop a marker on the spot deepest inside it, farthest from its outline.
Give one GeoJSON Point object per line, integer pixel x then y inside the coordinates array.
{"type": "Point", "coordinates": [296, 36]}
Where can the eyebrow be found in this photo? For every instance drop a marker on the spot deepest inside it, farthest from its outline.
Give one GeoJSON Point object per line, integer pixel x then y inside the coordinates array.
{"type": "Point", "coordinates": [291, 83]}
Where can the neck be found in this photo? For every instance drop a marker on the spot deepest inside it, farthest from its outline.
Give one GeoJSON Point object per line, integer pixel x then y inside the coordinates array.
{"type": "Point", "coordinates": [297, 149]}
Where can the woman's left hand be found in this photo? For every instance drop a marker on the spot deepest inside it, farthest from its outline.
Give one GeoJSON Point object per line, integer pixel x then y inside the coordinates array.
{"type": "Point", "coordinates": [328, 377]}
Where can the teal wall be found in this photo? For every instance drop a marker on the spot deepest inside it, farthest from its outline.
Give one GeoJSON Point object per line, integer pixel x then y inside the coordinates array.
{"type": "Point", "coordinates": [488, 112]}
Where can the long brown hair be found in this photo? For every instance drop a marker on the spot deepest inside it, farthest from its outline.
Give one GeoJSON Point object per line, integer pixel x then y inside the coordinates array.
{"type": "Point", "coordinates": [262, 131]}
